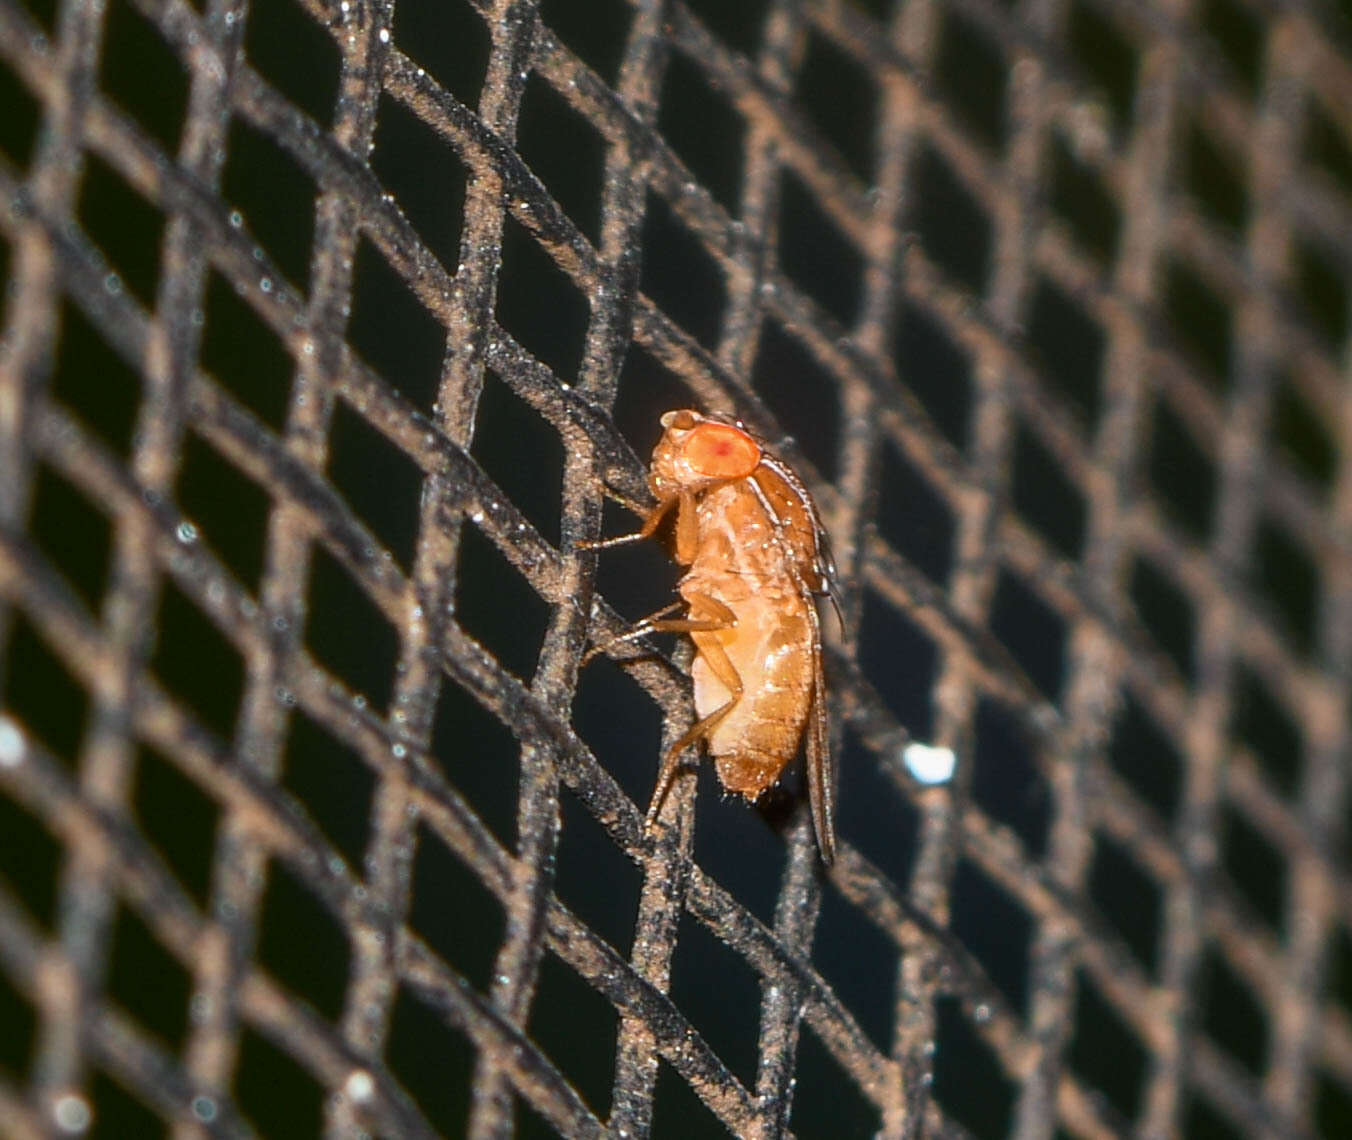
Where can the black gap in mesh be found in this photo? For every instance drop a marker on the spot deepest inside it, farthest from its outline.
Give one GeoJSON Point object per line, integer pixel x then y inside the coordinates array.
{"type": "Point", "coordinates": [94, 382]}
{"type": "Point", "coordinates": [1288, 580]}
{"type": "Point", "coordinates": [539, 305]}
{"type": "Point", "coordinates": [801, 393]}
{"type": "Point", "coordinates": [639, 578]}
{"type": "Point", "coordinates": [143, 74]}
{"type": "Point", "coordinates": [576, 1028]}
{"type": "Point", "coordinates": [913, 516]}
{"type": "Point", "coordinates": [1129, 898]}
{"type": "Point", "coordinates": [529, 1124]}
{"type": "Point", "coordinates": [1200, 319]}
{"type": "Point", "coordinates": [933, 365]}
{"type": "Point", "coordinates": [825, 1103]}
{"type": "Point", "coordinates": [1108, 56]}
{"type": "Point", "coordinates": [964, 1062]}
{"type": "Point", "coordinates": [886, 640]}
{"type": "Point", "coordinates": [1165, 611]}
{"type": "Point", "coordinates": [333, 784]}
{"type": "Point", "coordinates": [227, 508]}
{"type": "Point", "coordinates": [1256, 867]}
{"type": "Point", "coordinates": [126, 227]}
{"type": "Point", "coordinates": [1332, 1106]}
{"type": "Point", "coordinates": [739, 24]}
{"type": "Point", "coordinates": [39, 695]}
{"type": "Point", "coordinates": [423, 173]}
{"type": "Point", "coordinates": [815, 254]}
{"type": "Point", "coordinates": [841, 98]}
{"type": "Point", "coordinates": [1032, 631]}
{"type": "Point", "coordinates": [1006, 781]}
{"type": "Point", "coordinates": [296, 55]}
{"type": "Point", "coordinates": [1326, 146]}
{"type": "Point", "coordinates": [1338, 967]}
{"type": "Point", "coordinates": [1105, 1051]}
{"type": "Point", "coordinates": [565, 151]}
{"type": "Point", "coordinates": [1045, 495]}
{"type": "Point", "coordinates": [44, 12]}
{"type": "Point", "coordinates": [1303, 437]}
{"type": "Point", "coordinates": [522, 453]}
{"type": "Point", "coordinates": [597, 31]}
{"type": "Point", "coordinates": [497, 606]}
{"type": "Point", "coordinates": [277, 1095]}
{"type": "Point", "coordinates": [860, 963]}
{"type": "Point", "coordinates": [388, 325]}
{"type": "Point", "coordinates": [678, 1112]}
{"type": "Point", "coordinates": [301, 944]}
{"type": "Point", "coordinates": [704, 128]}
{"type": "Point", "coordinates": [970, 74]}
{"type": "Point", "coordinates": [725, 1014]}
{"type": "Point", "coordinates": [19, 124]}
{"type": "Point", "coordinates": [196, 664]}
{"type": "Point", "coordinates": [737, 844]}
{"type": "Point", "coordinates": [1081, 198]}
{"type": "Point", "coordinates": [1068, 347]}
{"type": "Point", "coordinates": [273, 198]}
{"type": "Point", "coordinates": [1321, 284]}
{"type": "Point", "coordinates": [431, 1059]}
{"type": "Point", "coordinates": [479, 756]}
{"type": "Point", "coordinates": [680, 275]}
{"type": "Point", "coordinates": [1182, 473]}
{"type": "Point", "coordinates": [647, 389]}
{"type": "Point", "coordinates": [996, 929]}
{"type": "Point", "coordinates": [1143, 754]}
{"type": "Point", "coordinates": [118, 1113]}
{"type": "Point", "coordinates": [1261, 723]}
{"type": "Point", "coordinates": [147, 981]}
{"type": "Point", "coordinates": [1238, 32]}
{"type": "Point", "coordinates": [595, 879]}
{"type": "Point", "coordinates": [450, 40]}
{"type": "Point", "coordinates": [1203, 1121]}
{"type": "Point", "coordinates": [381, 484]}
{"type": "Point", "coordinates": [178, 819]}
{"type": "Point", "coordinates": [458, 917]}
{"type": "Point", "coordinates": [622, 727]}
{"type": "Point", "coordinates": [20, 1018]}
{"type": "Point", "coordinates": [872, 810]}
{"type": "Point", "coordinates": [30, 860]}
{"type": "Point", "coordinates": [1231, 1015]}
{"type": "Point", "coordinates": [347, 634]}
{"type": "Point", "coordinates": [244, 354]}
{"type": "Point", "coordinates": [952, 225]}
{"type": "Point", "coordinates": [1214, 177]}
{"type": "Point", "coordinates": [72, 533]}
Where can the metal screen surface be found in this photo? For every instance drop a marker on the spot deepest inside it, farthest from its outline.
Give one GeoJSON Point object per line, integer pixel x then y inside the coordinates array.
{"type": "Point", "coordinates": [330, 330]}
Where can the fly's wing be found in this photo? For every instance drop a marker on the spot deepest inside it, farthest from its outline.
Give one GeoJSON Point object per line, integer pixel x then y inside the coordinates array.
{"type": "Point", "coordinates": [821, 769]}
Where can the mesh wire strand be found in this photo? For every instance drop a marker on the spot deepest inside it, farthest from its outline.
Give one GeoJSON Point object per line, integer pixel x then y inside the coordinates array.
{"type": "Point", "coordinates": [1120, 588]}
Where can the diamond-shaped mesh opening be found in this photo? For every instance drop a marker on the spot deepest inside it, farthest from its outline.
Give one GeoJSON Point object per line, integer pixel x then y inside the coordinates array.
{"type": "Point", "coordinates": [329, 331]}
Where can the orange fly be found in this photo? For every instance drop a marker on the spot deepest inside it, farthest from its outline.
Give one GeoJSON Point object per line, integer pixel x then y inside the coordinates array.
{"type": "Point", "coordinates": [757, 553]}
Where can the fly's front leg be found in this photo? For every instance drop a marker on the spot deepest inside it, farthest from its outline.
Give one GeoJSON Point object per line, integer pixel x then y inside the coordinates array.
{"type": "Point", "coordinates": [713, 616]}
{"type": "Point", "coordinates": [650, 524]}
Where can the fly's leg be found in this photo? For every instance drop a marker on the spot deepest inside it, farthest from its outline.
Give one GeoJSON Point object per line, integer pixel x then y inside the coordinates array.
{"type": "Point", "coordinates": [650, 524]}
{"type": "Point", "coordinates": [701, 630]}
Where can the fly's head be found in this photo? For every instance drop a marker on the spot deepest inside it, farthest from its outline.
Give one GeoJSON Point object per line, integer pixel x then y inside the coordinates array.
{"type": "Point", "coordinates": [696, 452]}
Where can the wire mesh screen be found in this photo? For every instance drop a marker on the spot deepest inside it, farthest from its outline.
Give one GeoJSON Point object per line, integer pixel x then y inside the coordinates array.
{"type": "Point", "coordinates": [331, 331]}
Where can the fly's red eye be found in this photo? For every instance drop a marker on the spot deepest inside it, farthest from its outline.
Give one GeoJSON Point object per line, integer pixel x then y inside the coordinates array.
{"type": "Point", "coordinates": [718, 451]}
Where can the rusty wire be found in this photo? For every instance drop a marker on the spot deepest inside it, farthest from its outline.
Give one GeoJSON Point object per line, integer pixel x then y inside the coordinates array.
{"type": "Point", "coordinates": [328, 332]}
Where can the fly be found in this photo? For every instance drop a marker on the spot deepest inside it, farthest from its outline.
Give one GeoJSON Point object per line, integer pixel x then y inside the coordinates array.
{"type": "Point", "coordinates": [757, 557]}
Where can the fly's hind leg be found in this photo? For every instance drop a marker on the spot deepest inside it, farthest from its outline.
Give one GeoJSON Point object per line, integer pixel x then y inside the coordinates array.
{"type": "Point", "coordinates": [706, 616]}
